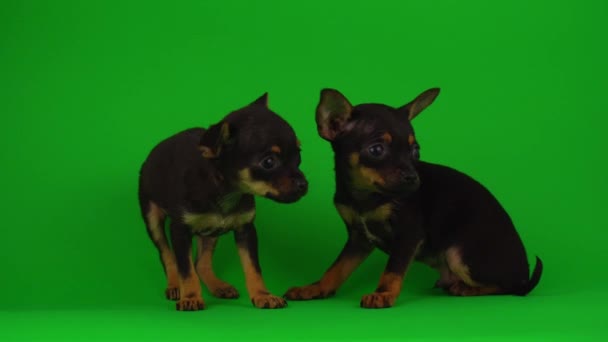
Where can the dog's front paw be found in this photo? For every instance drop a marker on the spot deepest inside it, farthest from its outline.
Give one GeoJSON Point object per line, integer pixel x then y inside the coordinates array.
{"type": "Point", "coordinates": [378, 300]}
{"type": "Point", "coordinates": [313, 291]}
{"type": "Point", "coordinates": [172, 293]}
{"type": "Point", "coordinates": [226, 292]}
{"type": "Point", "coordinates": [268, 301]}
{"type": "Point", "coordinates": [190, 304]}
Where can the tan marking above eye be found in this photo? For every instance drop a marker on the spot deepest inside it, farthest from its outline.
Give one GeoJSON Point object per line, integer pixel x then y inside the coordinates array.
{"type": "Point", "coordinates": [276, 149]}
{"type": "Point", "coordinates": [411, 139]}
{"type": "Point", "coordinates": [387, 137]}
{"type": "Point", "coordinates": [298, 143]}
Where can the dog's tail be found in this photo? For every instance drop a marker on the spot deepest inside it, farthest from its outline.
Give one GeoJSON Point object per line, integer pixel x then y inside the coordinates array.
{"type": "Point", "coordinates": [531, 284]}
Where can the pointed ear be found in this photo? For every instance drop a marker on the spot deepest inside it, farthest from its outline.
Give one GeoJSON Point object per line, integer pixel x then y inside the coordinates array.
{"type": "Point", "coordinates": [262, 100]}
{"type": "Point", "coordinates": [412, 109]}
{"type": "Point", "coordinates": [214, 139]}
{"type": "Point", "coordinates": [333, 111]}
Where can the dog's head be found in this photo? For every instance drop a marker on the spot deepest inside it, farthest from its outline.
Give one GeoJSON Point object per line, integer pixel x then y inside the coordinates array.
{"type": "Point", "coordinates": [374, 144]}
{"type": "Point", "coordinates": [258, 152]}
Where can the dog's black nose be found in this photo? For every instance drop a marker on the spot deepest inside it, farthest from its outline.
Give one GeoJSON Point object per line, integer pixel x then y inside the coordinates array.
{"type": "Point", "coordinates": [409, 178]}
{"type": "Point", "coordinates": [301, 184]}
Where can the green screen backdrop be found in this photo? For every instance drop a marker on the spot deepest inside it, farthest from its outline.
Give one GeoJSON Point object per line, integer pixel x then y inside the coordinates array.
{"type": "Point", "coordinates": [87, 88]}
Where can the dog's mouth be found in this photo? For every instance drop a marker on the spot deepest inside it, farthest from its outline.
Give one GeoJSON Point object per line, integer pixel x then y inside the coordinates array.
{"type": "Point", "coordinates": [399, 190]}
{"type": "Point", "coordinates": [285, 198]}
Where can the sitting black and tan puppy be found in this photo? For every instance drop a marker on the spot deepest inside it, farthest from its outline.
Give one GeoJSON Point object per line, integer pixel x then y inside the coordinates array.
{"type": "Point", "coordinates": [412, 210]}
{"type": "Point", "coordinates": [204, 181]}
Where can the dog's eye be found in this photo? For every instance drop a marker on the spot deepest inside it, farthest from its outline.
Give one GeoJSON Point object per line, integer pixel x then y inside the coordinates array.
{"type": "Point", "coordinates": [269, 163]}
{"type": "Point", "coordinates": [376, 150]}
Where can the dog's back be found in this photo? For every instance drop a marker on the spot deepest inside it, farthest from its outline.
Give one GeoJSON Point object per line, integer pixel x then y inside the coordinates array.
{"type": "Point", "coordinates": [460, 211]}
{"type": "Point", "coordinates": [162, 172]}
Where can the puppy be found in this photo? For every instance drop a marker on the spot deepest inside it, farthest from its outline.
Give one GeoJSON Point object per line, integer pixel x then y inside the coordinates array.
{"type": "Point", "coordinates": [412, 210]}
{"type": "Point", "coordinates": [204, 181]}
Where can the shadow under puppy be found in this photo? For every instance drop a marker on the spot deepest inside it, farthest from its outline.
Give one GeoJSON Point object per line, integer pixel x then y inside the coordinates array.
{"type": "Point", "coordinates": [412, 210]}
{"type": "Point", "coordinates": [204, 181]}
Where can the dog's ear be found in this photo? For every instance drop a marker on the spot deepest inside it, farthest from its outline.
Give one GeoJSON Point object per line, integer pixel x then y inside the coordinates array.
{"type": "Point", "coordinates": [261, 101]}
{"type": "Point", "coordinates": [412, 109]}
{"type": "Point", "coordinates": [333, 111]}
{"type": "Point", "coordinates": [214, 139]}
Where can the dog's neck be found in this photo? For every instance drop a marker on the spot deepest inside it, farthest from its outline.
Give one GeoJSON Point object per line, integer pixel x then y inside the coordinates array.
{"type": "Point", "coordinates": [229, 201]}
{"type": "Point", "coordinates": [227, 194]}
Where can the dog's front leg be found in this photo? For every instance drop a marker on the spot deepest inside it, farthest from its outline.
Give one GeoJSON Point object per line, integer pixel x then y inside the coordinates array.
{"type": "Point", "coordinates": [354, 252]}
{"type": "Point", "coordinates": [189, 284]}
{"type": "Point", "coordinates": [247, 244]}
{"type": "Point", "coordinates": [400, 258]}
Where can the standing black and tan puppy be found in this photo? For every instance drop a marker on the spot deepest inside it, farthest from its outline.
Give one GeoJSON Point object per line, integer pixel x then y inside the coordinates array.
{"type": "Point", "coordinates": [412, 210]}
{"type": "Point", "coordinates": [204, 181]}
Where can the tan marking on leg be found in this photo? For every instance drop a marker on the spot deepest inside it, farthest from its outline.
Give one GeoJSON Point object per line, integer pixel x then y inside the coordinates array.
{"type": "Point", "coordinates": [446, 278]}
{"type": "Point", "coordinates": [390, 282]}
{"type": "Point", "coordinates": [335, 276]}
{"type": "Point", "coordinates": [204, 269]}
{"type": "Point", "coordinates": [156, 219]}
{"type": "Point", "coordinates": [454, 260]}
{"type": "Point", "coordinates": [254, 280]}
{"type": "Point", "coordinates": [386, 294]}
{"type": "Point", "coordinates": [191, 298]}
{"type": "Point", "coordinates": [459, 288]}
{"type": "Point", "coordinates": [332, 279]}
{"type": "Point", "coordinates": [465, 285]}
{"type": "Point", "coordinates": [260, 297]}
{"type": "Point", "coordinates": [389, 287]}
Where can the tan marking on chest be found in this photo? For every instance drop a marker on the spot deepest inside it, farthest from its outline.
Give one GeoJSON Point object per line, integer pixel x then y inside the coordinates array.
{"type": "Point", "coordinates": [380, 214]}
{"type": "Point", "coordinates": [213, 222]}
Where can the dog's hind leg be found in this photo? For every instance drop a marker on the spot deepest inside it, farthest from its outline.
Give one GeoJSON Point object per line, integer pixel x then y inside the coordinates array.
{"type": "Point", "coordinates": [446, 278]}
{"type": "Point", "coordinates": [204, 268]}
{"type": "Point", "coordinates": [464, 285]}
{"type": "Point", "coordinates": [154, 218]}
{"type": "Point", "coordinates": [460, 288]}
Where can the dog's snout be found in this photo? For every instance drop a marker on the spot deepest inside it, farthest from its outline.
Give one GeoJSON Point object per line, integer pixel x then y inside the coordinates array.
{"type": "Point", "coordinates": [409, 177]}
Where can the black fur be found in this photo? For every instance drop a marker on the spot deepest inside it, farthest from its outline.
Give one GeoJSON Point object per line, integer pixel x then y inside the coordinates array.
{"type": "Point", "coordinates": [436, 213]}
{"type": "Point", "coordinates": [218, 171]}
